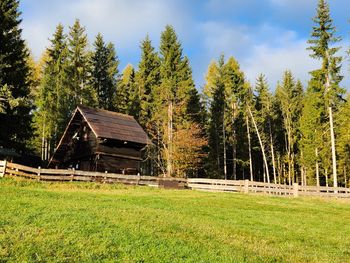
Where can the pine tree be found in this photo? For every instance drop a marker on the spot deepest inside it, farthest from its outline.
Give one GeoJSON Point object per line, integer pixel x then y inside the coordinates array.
{"type": "Point", "coordinates": [328, 77]}
{"type": "Point", "coordinates": [79, 68]}
{"type": "Point", "coordinates": [289, 95]}
{"type": "Point", "coordinates": [264, 116]}
{"type": "Point", "coordinates": [147, 79]}
{"type": "Point", "coordinates": [53, 96]}
{"type": "Point", "coordinates": [311, 139]}
{"type": "Point", "coordinates": [15, 119]}
{"type": "Point", "coordinates": [173, 95]}
{"type": "Point", "coordinates": [215, 91]}
{"type": "Point", "coordinates": [343, 142]}
{"type": "Point", "coordinates": [233, 79]}
{"type": "Point", "coordinates": [104, 71]}
{"type": "Point", "coordinates": [126, 96]}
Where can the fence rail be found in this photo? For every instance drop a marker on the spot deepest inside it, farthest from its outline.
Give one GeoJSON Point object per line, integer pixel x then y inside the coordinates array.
{"type": "Point", "coordinates": [216, 185]}
{"type": "Point", "coordinates": [246, 186]}
{"type": "Point", "coordinates": [13, 169]}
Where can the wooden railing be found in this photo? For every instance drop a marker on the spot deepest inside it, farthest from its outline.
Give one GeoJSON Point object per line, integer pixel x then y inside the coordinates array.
{"type": "Point", "coordinates": [13, 169]}
{"type": "Point", "coordinates": [244, 186]}
{"type": "Point", "coordinates": [247, 186]}
{"type": "Point", "coordinates": [2, 168]}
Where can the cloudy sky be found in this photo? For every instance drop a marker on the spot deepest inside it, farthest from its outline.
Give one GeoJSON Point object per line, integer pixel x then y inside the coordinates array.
{"type": "Point", "coordinates": [265, 36]}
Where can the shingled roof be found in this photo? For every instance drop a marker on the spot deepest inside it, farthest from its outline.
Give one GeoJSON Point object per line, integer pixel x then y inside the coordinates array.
{"type": "Point", "coordinates": [105, 125]}
{"type": "Point", "coordinates": [113, 125]}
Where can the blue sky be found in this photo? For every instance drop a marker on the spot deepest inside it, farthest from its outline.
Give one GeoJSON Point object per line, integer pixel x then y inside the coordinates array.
{"type": "Point", "coordinates": [265, 36]}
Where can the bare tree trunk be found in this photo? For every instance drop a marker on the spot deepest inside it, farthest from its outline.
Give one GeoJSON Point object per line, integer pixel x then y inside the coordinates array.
{"type": "Point", "coordinates": [250, 151]}
{"type": "Point", "coordinates": [49, 150]}
{"type": "Point", "coordinates": [234, 157]}
{"type": "Point", "coordinates": [234, 143]}
{"type": "Point", "coordinates": [224, 144]}
{"type": "Point", "coordinates": [289, 160]}
{"type": "Point", "coordinates": [334, 158]}
{"type": "Point", "coordinates": [170, 139]}
{"type": "Point", "coordinates": [289, 173]}
{"type": "Point", "coordinates": [345, 179]}
{"type": "Point", "coordinates": [317, 169]}
{"type": "Point", "coordinates": [261, 145]}
{"type": "Point", "coordinates": [217, 149]}
{"type": "Point", "coordinates": [302, 172]}
{"type": "Point", "coordinates": [326, 175]}
{"type": "Point", "coordinates": [45, 155]}
{"type": "Point", "coordinates": [43, 142]}
{"type": "Point", "coordinates": [272, 155]}
{"type": "Point", "coordinates": [279, 169]}
{"type": "Point", "coordinates": [264, 173]}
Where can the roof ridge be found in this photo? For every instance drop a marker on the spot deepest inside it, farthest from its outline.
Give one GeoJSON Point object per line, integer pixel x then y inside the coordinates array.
{"type": "Point", "coordinates": [108, 111]}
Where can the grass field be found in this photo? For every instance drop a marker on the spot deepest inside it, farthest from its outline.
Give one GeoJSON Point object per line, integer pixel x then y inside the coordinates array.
{"type": "Point", "coordinates": [85, 222]}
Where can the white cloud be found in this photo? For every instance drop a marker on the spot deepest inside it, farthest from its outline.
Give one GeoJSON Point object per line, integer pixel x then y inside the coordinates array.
{"type": "Point", "coordinates": [273, 62]}
{"type": "Point", "coordinates": [124, 22]}
{"type": "Point", "coordinates": [260, 47]}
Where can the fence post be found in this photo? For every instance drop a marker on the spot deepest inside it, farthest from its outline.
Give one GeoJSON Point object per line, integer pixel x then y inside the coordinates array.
{"type": "Point", "coordinates": [105, 177]}
{"type": "Point", "coordinates": [295, 190]}
{"type": "Point", "coordinates": [72, 175]}
{"type": "Point", "coordinates": [39, 173]}
{"type": "Point", "coordinates": [139, 178]}
{"type": "Point", "coordinates": [246, 186]}
{"type": "Point", "coordinates": [2, 174]}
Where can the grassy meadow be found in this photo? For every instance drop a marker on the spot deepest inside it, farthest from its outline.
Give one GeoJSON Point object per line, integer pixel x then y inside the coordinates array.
{"type": "Point", "coordinates": [87, 222]}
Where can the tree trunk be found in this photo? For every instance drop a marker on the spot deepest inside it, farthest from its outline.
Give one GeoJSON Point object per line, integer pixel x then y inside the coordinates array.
{"type": "Point", "coordinates": [289, 159]}
{"type": "Point", "coordinates": [279, 169]}
{"type": "Point", "coordinates": [345, 179]}
{"type": "Point", "coordinates": [249, 150]}
{"type": "Point", "coordinates": [170, 139]}
{"type": "Point", "coordinates": [234, 157]}
{"type": "Point", "coordinates": [234, 142]}
{"type": "Point", "coordinates": [261, 145]}
{"type": "Point", "coordinates": [217, 148]}
{"type": "Point", "coordinates": [334, 158]}
{"type": "Point", "coordinates": [224, 144]}
{"type": "Point", "coordinates": [264, 173]}
{"type": "Point", "coordinates": [317, 169]}
{"type": "Point", "coordinates": [272, 155]}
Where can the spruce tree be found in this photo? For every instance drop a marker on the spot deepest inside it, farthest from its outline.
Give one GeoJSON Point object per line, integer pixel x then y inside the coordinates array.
{"type": "Point", "coordinates": [15, 119]}
{"type": "Point", "coordinates": [289, 95]}
{"type": "Point", "coordinates": [126, 100]}
{"type": "Point", "coordinates": [104, 71]}
{"type": "Point", "coordinates": [171, 105]}
{"type": "Point", "coordinates": [147, 79]}
{"type": "Point", "coordinates": [343, 141]}
{"type": "Point", "coordinates": [53, 96]}
{"type": "Point", "coordinates": [216, 96]}
{"type": "Point", "coordinates": [264, 120]}
{"type": "Point", "coordinates": [233, 79]}
{"type": "Point", "coordinates": [79, 68]}
{"type": "Point", "coordinates": [311, 139]}
{"type": "Point", "coordinates": [326, 79]}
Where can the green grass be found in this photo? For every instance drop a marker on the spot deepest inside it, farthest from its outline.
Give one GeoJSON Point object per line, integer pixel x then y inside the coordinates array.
{"type": "Point", "coordinates": [85, 222]}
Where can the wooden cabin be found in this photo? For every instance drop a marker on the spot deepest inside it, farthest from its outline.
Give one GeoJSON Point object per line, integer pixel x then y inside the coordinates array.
{"type": "Point", "coordinates": [101, 140]}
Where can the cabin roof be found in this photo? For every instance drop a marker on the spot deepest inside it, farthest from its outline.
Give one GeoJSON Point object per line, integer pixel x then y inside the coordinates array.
{"type": "Point", "coordinates": [105, 125]}
{"type": "Point", "coordinates": [113, 125]}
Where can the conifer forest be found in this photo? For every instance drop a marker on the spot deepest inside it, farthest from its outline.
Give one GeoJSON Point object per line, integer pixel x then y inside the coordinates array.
{"type": "Point", "coordinates": [228, 128]}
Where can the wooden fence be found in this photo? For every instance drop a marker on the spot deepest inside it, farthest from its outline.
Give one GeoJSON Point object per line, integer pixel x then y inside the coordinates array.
{"type": "Point", "coordinates": [13, 169]}
{"type": "Point", "coordinates": [244, 186]}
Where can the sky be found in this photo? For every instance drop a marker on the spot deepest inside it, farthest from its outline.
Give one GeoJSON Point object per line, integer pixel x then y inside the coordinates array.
{"type": "Point", "coordinates": [265, 36]}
